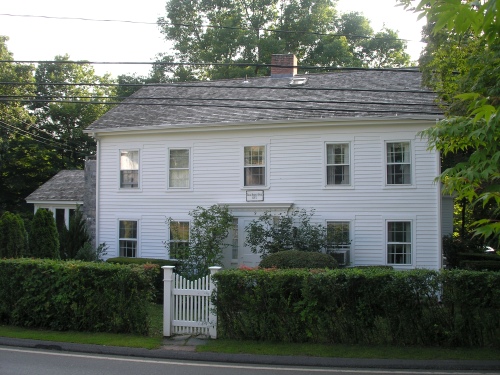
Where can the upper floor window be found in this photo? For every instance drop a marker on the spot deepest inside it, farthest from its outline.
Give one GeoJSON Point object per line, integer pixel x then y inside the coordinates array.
{"type": "Point", "coordinates": [178, 174]}
{"type": "Point", "coordinates": [128, 238]}
{"type": "Point", "coordinates": [337, 164]}
{"type": "Point", "coordinates": [398, 163]}
{"type": "Point", "coordinates": [129, 169]}
{"type": "Point", "coordinates": [255, 166]}
{"type": "Point", "coordinates": [399, 242]}
{"type": "Point", "coordinates": [179, 239]}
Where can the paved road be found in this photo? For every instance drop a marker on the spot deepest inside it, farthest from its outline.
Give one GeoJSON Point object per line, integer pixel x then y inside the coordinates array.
{"type": "Point", "coordinates": [176, 352]}
{"type": "Point", "coordinates": [24, 361]}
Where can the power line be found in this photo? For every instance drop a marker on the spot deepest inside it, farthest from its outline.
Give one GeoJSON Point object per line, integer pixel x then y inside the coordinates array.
{"type": "Point", "coordinates": [194, 25]}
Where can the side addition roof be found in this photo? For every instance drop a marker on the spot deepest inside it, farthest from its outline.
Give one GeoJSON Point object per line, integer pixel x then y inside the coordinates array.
{"type": "Point", "coordinates": [67, 185]}
{"type": "Point", "coordinates": [341, 94]}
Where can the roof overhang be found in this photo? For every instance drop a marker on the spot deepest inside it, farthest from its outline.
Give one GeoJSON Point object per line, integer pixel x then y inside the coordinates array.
{"type": "Point", "coordinates": [291, 123]}
{"type": "Point", "coordinates": [54, 202]}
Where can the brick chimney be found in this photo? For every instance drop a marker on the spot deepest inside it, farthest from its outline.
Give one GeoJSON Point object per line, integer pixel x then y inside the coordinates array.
{"type": "Point", "coordinates": [286, 66]}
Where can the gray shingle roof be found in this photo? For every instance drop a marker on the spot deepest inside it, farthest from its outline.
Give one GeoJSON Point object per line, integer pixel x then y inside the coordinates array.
{"type": "Point", "coordinates": [351, 93]}
{"type": "Point", "coordinates": [67, 185]}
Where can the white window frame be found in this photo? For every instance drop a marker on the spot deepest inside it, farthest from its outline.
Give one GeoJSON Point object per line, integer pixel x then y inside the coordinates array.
{"type": "Point", "coordinates": [128, 188]}
{"type": "Point", "coordinates": [173, 240]}
{"type": "Point", "coordinates": [349, 164]}
{"type": "Point", "coordinates": [410, 163]}
{"type": "Point", "coordinates": [189, 169]}
{"type": "Point", "coordinates": [409, 242]}
{"type": "Point", "coordinates": [131, 239]}
{"type": "Point", "coordinates": [265, 165]}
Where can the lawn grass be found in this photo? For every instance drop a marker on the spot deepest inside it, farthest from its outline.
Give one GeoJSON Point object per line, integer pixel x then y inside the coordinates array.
{"type": "Point", "coordinates": [348, 351]}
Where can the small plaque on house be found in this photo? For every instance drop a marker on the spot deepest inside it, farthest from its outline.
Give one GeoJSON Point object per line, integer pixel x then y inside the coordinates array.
{"type": "Point", "coordinates": [255, 195]}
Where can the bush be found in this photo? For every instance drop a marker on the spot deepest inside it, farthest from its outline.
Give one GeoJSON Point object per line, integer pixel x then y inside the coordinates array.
{"type": "Point", "coordinates": [87, 253]}
{"type": "Point", "coordinates": [298, 259]}
{"type": "Point", "coordinates": [13, 236]}
{"type": "Point", "coordinates": [74, 295]}
{"type": "Point", "coordinates": [72, 240]}
{"type": "Point", "coordinates": [43, 236]}
{"type": "Point", "coordinates": [158, 274]}
{"type": "Point", "coordinates": [360, 306]}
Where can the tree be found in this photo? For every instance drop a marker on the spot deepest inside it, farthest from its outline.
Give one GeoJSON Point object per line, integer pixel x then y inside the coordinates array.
{"type": "Point", "coordinates": [73, 238]}
{"type": "Point", "coordinates": [472, 126]}
{"type": "Point", "coordinates": [208, 229]}
{"type": "Point", "coordinates": [270, 234]}
{"type": "Point", "coordinates": [246, 34]}
{"type": "Point", "coordinates": [13, 236]}
{"type": "Point", "coordinates": [70, 109]}
{"type": "Point", "coordinates": [43, 236]}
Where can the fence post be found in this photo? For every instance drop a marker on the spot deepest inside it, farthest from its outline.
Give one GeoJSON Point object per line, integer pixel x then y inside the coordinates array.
{"type": "Point", "coordinates": [168, 276]}
{"type": "Point", "coordinates": [212, 329]}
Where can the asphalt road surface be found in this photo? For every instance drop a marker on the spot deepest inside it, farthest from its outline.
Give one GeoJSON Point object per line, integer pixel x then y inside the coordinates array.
{"type": "Point", "coordinates": [26, 361]}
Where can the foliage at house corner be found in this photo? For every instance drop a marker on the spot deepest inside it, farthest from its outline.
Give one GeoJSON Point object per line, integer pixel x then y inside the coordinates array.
{"type": "Point", "coordinates": [209, 228]}
{"type": "Point", "coordinates": [467, 34]}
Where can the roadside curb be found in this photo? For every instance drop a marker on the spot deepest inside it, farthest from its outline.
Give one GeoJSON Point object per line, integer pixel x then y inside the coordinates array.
{"type": "Point", "coordinates": [172, 354]}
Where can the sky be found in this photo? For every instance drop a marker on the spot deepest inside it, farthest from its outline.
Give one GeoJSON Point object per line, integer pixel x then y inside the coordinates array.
{"type": "Point", "coordinates": [35, 38]}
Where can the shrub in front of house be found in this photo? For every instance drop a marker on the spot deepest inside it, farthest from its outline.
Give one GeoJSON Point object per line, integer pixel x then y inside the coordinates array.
{"type": "Point", "coordinates": [360, 306]}
{"type": "Point", "coordinates": [74, 295]}
{"type": "Point", "coordinates": [298, 259]}
{"type": "Point", "coordinates": [13, 236]}
{"type": "Point", "coordinates": [158, 273]}
{"type": "Point", "coordinates": [43, 236]}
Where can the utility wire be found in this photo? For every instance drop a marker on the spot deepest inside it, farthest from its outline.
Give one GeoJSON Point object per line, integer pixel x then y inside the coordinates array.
{"type": "Point", "coordinates": [170, 24]}
{"type": "Point", "coordinates": [48, 142]}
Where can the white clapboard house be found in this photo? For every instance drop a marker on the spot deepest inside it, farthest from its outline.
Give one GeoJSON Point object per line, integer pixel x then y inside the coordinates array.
{"type": "Point", "coordinates": [345, 144]}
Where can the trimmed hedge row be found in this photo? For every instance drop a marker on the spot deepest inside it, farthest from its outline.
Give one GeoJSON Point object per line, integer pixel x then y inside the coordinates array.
{"type": "Point", "coordinates": [158, 277]}
{"type": "Point", "coordinates": [74, 295]}
{"type": "Point", "coordinates": [353, 306]}
{"type": "Point", "coordinates": [298, 259]}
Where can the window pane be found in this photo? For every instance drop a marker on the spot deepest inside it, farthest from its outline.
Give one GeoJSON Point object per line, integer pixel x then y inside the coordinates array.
{"type": "Point", "coordinates": [179, 158]}
{"type": "Point", "coordinates": [179, 178]}
{"type": "Point", "coordinates": [129, 179]}
{"type": "Point", "coordinates": [338, 154]}
{"type": "Point", "coordinates": [337, 175]}
{"type": "Point", "coordinates": [254, 155]}
{"type": "Point", "coordinates": [398, 152]}
{"type": "Point", "coordinates": [179, 239]}
{"type": "Point", "coordinates": [255, 176]}
{"type": "Point", "coordinates": [128, 238]}
{"type": "Point", "coordinates": [398, 174]}
{"type": "Point", "coordinates": [338, 168]}
{"type": "Point", "coordinates": [128, 229]}
{"type": "Point", "coordinates": [338, 235]}
{"type": "Point", "coordinates": [128, 248]}
{"type": "Point", "coordinates": [129, 160]}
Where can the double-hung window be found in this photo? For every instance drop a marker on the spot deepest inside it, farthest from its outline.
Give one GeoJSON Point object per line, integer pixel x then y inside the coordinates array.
{"type": "Point", "coordinates": [178, 173]}
{"type": "Point", "coordinates": [338, 169]}
{"type": "Point", "coordinates": [338, 235]}
{"type": "Point", "coordinates": [179, 239]}
{"type": "Point", "coordinates": [398, 163]}
{"type": "Point", "coordinates": [128, 238]}
{"type": "Point", "coordinates": [399, 240]}
{"type": "Point", "coordinates": [129, 169]}
{"type": "Point", "coordinates": [254, 166]}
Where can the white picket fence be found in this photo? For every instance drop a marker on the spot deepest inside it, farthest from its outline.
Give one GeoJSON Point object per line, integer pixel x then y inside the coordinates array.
{"type": "Point", "coordinates": [187, 306]}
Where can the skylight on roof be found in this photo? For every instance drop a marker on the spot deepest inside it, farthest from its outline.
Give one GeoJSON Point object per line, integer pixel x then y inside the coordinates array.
{"type": "Point", "coordinates": [298, 81]}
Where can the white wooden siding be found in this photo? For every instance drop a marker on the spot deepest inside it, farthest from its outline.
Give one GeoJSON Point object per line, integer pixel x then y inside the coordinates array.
{"type": "Point", "coordinates": [296, 169]}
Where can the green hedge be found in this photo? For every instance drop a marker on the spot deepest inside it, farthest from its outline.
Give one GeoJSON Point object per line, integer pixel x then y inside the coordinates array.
{"type": "Point", "coordinates": [360, 306]}
{"type": "Point", "coordinates": [158, 275]}
{"type": "Point", "coordinates": [298, 259]}
{"type": "Point", "coordinates": [74, 295]}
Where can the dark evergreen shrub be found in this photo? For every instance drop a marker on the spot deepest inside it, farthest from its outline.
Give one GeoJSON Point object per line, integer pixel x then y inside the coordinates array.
{"type": "Point", "coordinates": [72, 240]}
{"type": "Point", "coordinates": [43, 236]}
{"type": "Point", "coordinates": [13, 236]}
{"type": "Point", "coordinates": [298, 259]}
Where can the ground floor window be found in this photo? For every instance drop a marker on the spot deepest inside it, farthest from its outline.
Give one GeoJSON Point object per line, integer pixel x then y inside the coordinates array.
{"type": "Point", "coordinates": [338, 235]}
{"type": "Point", "coordinates": [179, 239]}
{"type": "Point", "coordinates": [128, 238]}
{"type": "Point", "coordinates": [399, 242]}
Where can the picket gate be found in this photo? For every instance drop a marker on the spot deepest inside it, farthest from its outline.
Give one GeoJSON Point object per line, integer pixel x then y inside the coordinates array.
{"type": "Point", "coordinates": [187, 306]}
